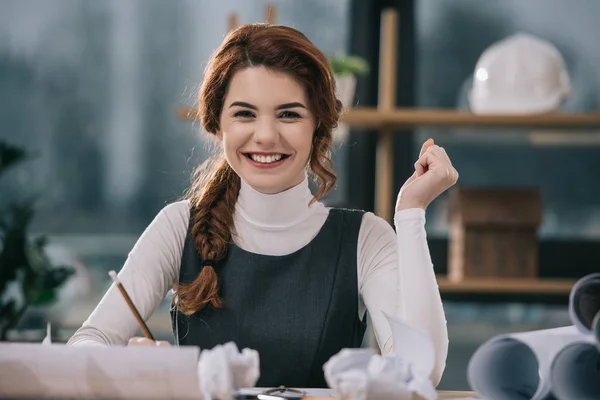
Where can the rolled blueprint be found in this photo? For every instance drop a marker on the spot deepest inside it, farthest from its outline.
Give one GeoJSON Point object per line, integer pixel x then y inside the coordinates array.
{"type": "Point", "coordinates": [597, 330]}
{"type": "Point", "coordinates": [575, 371]}
{"type": "Point", "coordinates": [559, 363]}
{"type": "Point", "coordinates": [584, 302]}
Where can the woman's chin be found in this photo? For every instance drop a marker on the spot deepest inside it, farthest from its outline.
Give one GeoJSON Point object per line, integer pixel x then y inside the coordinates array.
{"type": "Point", "coordinates": [269, 184]}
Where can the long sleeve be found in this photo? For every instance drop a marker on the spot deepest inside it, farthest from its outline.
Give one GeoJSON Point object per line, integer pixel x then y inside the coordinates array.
{"type": "Point", "coordinates": [396, 276]}
{"type": "Point", "coordinates": [148, 274]}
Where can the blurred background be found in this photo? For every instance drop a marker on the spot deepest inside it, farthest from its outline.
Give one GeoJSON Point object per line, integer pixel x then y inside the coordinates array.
{"type": "Point", "coordinates": [90, 91]}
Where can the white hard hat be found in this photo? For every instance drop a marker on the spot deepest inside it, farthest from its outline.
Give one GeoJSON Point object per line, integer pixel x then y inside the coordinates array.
{"type": "Point", "coordinates": [521, 74]}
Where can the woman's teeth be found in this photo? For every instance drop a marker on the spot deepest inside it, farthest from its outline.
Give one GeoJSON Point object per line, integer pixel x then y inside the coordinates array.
{"type": "Point", "coordinates": [266, 159]}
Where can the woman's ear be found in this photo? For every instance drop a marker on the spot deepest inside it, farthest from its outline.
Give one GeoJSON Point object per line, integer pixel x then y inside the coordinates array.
{"type": "Point", "coordinates": [219, 135]}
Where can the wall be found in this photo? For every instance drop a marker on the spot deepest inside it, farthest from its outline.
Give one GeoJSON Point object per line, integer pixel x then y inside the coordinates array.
{"type": "Point", "coordinates": [92, 88]}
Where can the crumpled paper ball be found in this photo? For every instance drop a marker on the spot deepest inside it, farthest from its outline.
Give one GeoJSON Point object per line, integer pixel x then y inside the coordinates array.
{"type": "Point", "coordinates": [223, 370]}
{"type": "Point", "coordinates": [362, 374]}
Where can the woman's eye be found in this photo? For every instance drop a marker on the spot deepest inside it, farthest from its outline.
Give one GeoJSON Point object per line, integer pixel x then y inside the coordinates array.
{"type": "Point", "coordinates": [243, 114]}
{"type": "Point", "coordinates": [289, 115]}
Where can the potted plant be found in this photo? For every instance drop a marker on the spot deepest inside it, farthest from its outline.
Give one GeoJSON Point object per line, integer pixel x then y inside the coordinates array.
{"type": "Point", "coordinates": [345, 69]}
{"type": "Point", "coordinates": [27, 277]}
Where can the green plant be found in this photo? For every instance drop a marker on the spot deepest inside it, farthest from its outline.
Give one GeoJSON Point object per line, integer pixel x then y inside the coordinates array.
{"type": "Point", "coordinates": [27, 277]}
{"type": "Point", "coordinates": [344, 64]}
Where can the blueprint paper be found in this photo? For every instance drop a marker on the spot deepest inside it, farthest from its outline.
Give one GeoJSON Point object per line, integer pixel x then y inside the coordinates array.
{"type": "Point", "coordinates": [560, 363]}
{"type": "Point", "coordinates": [35, 370]}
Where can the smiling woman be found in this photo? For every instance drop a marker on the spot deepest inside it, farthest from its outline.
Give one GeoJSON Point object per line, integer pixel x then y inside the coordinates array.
{"type": "Point", "coordinates": [254, 256]}
{"type": "Point", "coordinates": [267, 129]}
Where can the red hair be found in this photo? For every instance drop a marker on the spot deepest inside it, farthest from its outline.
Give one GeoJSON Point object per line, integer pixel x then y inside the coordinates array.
{"type": "Point", "coordinates": [215, 186]}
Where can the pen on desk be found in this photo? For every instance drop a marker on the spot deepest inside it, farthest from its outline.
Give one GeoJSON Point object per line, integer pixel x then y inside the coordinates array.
{"type": "Point", "coordinates": [134, 310]}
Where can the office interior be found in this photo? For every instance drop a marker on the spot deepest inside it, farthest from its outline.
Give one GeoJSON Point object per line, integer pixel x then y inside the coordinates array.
{"type": "Point", "coordinates": [96, 92]}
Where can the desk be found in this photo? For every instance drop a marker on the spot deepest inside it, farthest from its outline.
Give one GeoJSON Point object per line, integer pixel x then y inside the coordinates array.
{"type": "Point", "coordinates": [323, 394]}
{"type": "Point", "coordinates": [442, 395]}
{"type": "Point", "coordinates": [451, 394]}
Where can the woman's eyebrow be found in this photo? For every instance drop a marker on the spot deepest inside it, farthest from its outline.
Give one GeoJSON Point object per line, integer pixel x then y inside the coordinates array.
{"type": "Point", "coordinates": [279, 107]}
{"type": "Point", "coordinates": [290, 105]}
{"type": "Point", "coordinates": [243, 104]}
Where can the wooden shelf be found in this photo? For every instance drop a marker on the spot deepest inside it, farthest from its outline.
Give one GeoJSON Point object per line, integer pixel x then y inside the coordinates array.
{"type": "Point", "coordinates": [506, 286]}
{"type": "Point", "coordinates": [376, 119]}
{"type": "Point", "coordinates": [451, 394]}
{"type": "Point", "coordinates": [373, 118]}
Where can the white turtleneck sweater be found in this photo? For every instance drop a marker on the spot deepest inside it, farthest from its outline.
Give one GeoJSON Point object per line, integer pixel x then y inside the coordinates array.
{"type": "Point", "coordinates": [395, 273]}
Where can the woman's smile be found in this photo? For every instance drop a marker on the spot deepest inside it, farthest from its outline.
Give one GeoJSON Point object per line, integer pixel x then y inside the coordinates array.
{"type": "Point", "coordinates": [266, 160]}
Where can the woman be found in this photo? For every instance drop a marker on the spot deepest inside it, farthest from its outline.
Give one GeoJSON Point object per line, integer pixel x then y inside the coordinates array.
{"type": "Point", "coordinates": [255, 258]}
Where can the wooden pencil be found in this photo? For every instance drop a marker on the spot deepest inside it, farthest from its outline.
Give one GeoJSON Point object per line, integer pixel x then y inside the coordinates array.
{"type": "Point", "coordinates": [134, 310]}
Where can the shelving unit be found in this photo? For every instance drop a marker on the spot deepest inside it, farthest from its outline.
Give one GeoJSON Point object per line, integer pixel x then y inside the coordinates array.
{"type": "Point", "coordinates": [386, 119]}
{"type": "Point", "coordinates": [548, 291]}
{"type": "Point", "coordinates": [233, 21]}
{"type": "Point", "coordinates": [402, 118]}
{"type": "Point", "coordinates": [558, 287]}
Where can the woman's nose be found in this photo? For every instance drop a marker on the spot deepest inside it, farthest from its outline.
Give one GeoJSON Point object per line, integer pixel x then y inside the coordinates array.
{"type": "Point", "coordinates": [266, 132]}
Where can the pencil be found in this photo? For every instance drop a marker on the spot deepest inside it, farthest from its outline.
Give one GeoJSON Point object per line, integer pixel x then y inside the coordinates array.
{"type": "Point", "coordinates": [134, 310]}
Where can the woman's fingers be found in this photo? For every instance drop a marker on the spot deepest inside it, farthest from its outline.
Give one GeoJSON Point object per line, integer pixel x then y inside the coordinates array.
{"type": "Point", "coordinates": [427, 144]}
{"type": "Point", "coordinates": [436, 160]}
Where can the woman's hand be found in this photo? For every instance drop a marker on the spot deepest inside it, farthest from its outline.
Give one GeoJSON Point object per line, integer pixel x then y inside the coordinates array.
{"type": "Point", "coordinates": [433, 175]}
{"type": "Point", "coordinates": [142, 341]}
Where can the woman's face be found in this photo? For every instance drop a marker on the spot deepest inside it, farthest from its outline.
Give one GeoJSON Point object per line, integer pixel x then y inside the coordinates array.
{"type": "Point", "coordinates": [267, 129]}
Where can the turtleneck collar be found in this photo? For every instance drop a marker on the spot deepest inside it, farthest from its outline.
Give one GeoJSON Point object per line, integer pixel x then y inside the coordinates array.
{"type": "Point", "coordinates": [280, 210]}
